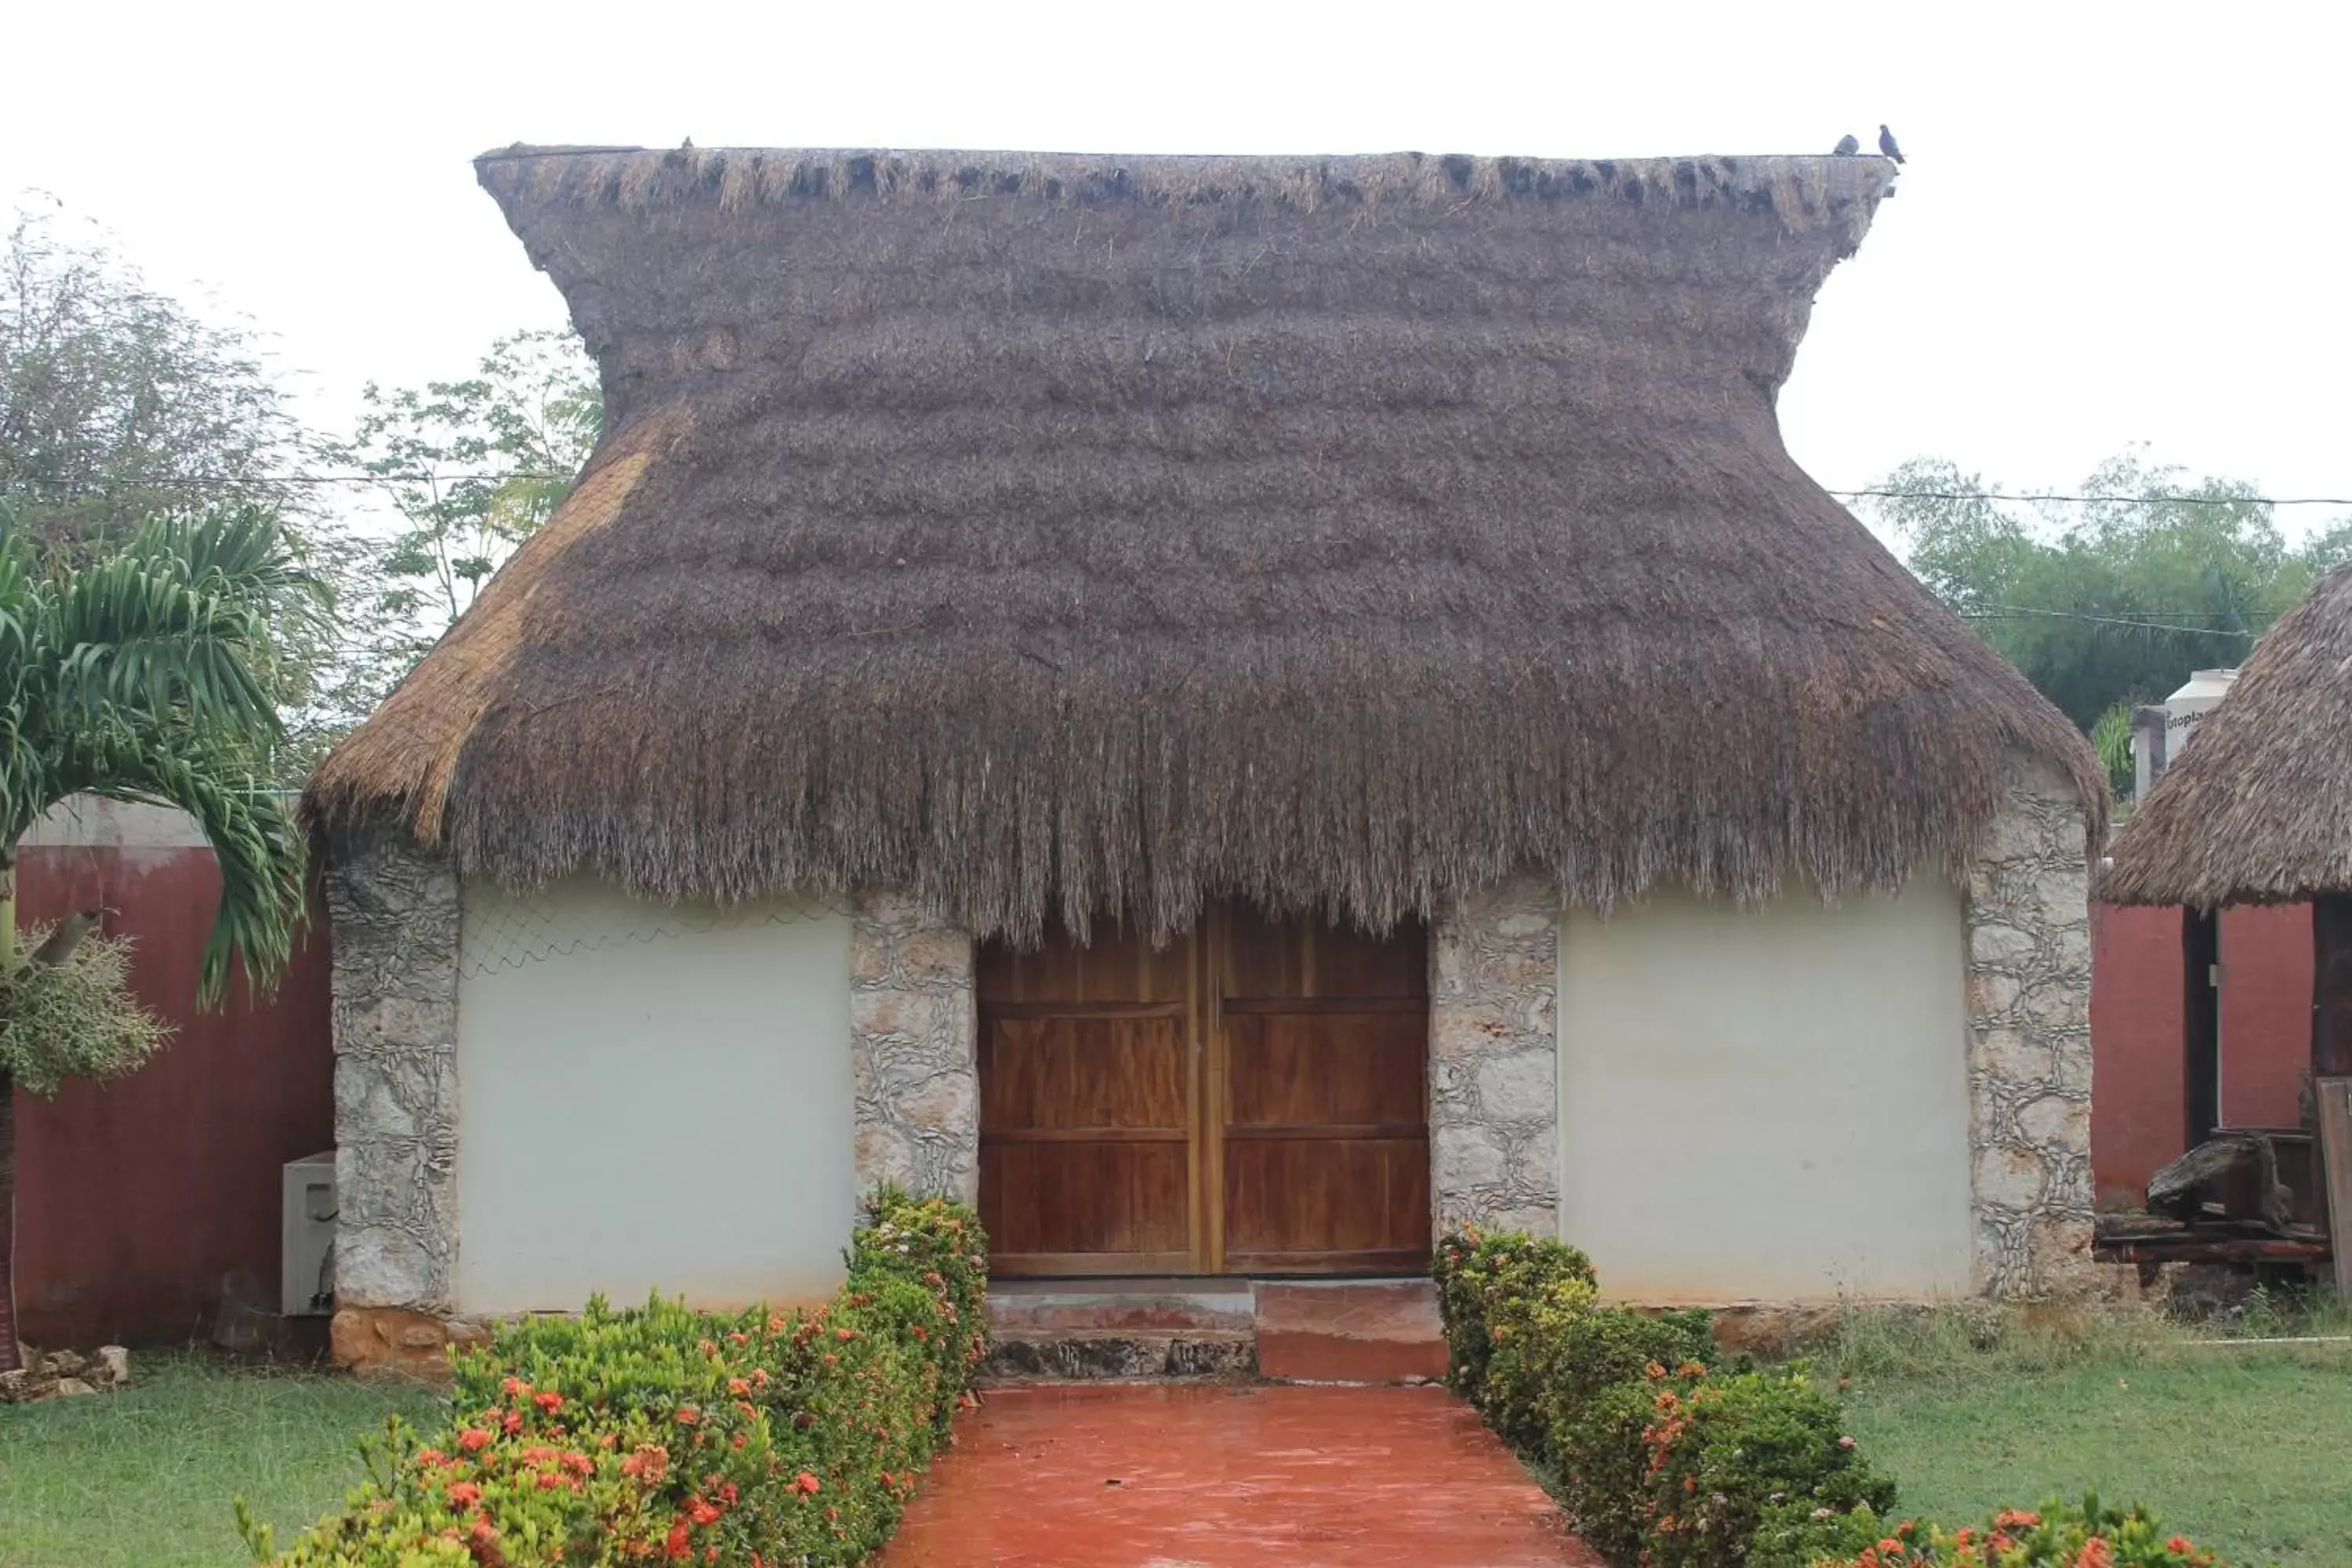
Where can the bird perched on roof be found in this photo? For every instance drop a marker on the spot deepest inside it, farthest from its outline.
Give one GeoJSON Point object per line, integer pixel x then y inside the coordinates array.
{"type": "Point", "coordinates": [1847, 147]}
{"type": "Point", "coordinates": [1886, 144]}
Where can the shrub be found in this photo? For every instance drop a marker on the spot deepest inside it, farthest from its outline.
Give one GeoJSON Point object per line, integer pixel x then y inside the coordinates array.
{"type": "Point", "coordinates": [661, 1434]}
{"type": "Point", "coordinates": [1729, 1455]}
{"type": "Point", "coordinates": [1663, 1462]}
{"type": "Point", "coordinates": [1600, 1404]}
{"type": "Point", "coordinates": [1478, 1272]}
{"type": "Point", "coordinates": [2056, 1535]}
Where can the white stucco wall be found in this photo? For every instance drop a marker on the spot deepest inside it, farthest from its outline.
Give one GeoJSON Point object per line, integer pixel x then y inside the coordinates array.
{"type": "Point", "coordinates": [650, 1099]}
{"type": "Point", "coordinates": [1770, 1103]}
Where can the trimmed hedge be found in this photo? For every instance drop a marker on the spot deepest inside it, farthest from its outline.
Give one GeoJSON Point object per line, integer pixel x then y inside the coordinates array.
{"type": "Point", "coordinates": [660, 1435]}
{"type": "Point", "coordinates": [1663, 1457]}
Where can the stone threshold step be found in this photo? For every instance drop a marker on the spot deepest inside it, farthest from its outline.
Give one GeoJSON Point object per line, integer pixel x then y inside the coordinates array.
{"type": "Point", "coordinates": [1028, 1355]}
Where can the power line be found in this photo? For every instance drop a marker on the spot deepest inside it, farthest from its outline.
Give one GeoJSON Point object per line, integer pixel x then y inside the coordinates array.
{"type": "Point", "coordinates": [2020, 612]}
{"type": "Point", "coordinates": [1885, 494]}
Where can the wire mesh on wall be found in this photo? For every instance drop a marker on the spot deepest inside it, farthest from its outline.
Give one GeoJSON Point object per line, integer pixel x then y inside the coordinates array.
{"type": "Point", "coordinates": [501, 930]}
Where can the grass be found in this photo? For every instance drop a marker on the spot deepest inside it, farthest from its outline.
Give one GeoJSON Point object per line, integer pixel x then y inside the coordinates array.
{"type": "Point", "coordinates": [2240, 1446]}
{"type": "Point", "coordinates": [143, 1478]}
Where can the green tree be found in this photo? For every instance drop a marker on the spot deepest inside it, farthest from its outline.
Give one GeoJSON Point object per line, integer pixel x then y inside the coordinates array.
{"type": "Point", "coordinates": [470, 468]}
{"type": "Point", "coordinates": [136, 673]}
{"type": "Point", "coordinates": [2112, 600]}
{"type": "Point", "coordinates": [119, 405]}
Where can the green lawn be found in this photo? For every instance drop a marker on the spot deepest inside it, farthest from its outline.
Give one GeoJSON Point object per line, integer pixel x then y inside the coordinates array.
{"type": "Point", "coordinates": [2243, 1447]}
{"type": "Point", "coordinates": [143, 1478]}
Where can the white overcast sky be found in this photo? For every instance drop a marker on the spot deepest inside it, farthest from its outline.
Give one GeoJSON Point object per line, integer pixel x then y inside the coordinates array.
{"type": "Point", "coordinates": [2122, 223]}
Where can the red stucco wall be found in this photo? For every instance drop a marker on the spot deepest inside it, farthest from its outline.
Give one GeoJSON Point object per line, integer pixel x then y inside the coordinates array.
{"type": "Point", "coordinates": [2139, 1114]}
{"type": "Point", "coordinates": [140, 1202]}
{"type": "Point", "coordinates": [2265, 1015]}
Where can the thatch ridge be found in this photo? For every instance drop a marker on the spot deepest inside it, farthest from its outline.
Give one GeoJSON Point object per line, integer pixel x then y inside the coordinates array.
{"type": "Point", "coordinates": [2258, 810]}
{"type": "Point", "coordinates": [1346, 532]}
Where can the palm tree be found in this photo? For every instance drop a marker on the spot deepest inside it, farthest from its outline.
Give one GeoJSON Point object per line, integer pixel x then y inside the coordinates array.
{"type": "Point", "coordinates": [139, 675]}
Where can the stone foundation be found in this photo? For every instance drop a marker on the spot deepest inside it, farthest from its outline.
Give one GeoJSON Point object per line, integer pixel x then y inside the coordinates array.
{"type": "Point", "coordinates": [395, 1036]}
{"type": "Point", "coordinates": [914, 1050]}
{"type": "Point", "coordinates": [393, 1343]}
{"type": "Point", "coordinates": [2028, 996]}
{"type": "Point", "coordinates": [1494, 1061]}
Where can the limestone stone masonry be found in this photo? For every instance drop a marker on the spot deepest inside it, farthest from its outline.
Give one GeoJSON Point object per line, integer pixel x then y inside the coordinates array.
{"type": "Point", "coordinates": [395, 1033]}
{"type": "Point", "coordinates": [914, 1043]}
{"type": "Point", "coordinates": [2029, 990]}
{"type": "Point", "coordinates": [1494, 1061]}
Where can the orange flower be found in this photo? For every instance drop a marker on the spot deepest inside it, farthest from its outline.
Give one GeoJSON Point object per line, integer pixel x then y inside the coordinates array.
{"type": "Point", "coordinates": [515, 1388]}
{"type": "Point", "coordinates": [551, 1403]}
{"type": "Point", "coordinates": [465, 1494]}
{"type": "Point", "coordinates": [2181, 1544]}
{"type": "Point", "coordinates": [2010, 1518]}
{"type": "Point", "coordinates": [807, 1485]}
{"type": "Point", "coordinates": [513, 1424]}
{"type": "Point", "coordinates": [702, 1512]}
{"type": "Point", "coordinates": [688, 1415]}
{"type": "Point", "coordinates": [473, 1439]}
{"type": "Point", "coordinates": [674, 1548]}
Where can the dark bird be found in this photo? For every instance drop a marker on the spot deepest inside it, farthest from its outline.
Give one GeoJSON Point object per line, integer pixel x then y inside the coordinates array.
{"type": "Point", "coordinates": [1847, 147]}
{"type": "Point", "coordinates": [1886, 144]}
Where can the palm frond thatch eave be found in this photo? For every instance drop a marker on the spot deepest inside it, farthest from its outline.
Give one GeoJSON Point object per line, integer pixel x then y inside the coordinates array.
{"type": "Point", "coordinates": [1055, 536]}
{"type": "Point", "coordinates": [2258, 810]}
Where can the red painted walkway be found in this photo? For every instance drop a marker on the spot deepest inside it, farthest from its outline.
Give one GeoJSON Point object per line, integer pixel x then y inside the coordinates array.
{"type": "Point", "coordinates": [1223, 1476]}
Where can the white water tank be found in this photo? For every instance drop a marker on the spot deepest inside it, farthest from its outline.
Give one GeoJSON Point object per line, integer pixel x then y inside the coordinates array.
{"type": "Point", "coordinates": [2154, 746]}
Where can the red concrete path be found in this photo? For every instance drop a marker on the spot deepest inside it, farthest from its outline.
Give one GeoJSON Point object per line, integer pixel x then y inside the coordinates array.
{"type": "Point", "coordinates": [1224, 1476]}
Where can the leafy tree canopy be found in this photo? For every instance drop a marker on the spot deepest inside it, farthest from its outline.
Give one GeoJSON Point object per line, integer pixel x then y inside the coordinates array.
{"type": "Point", "coordinates": [470, 468]}
{"type": "Point", "coordinates": [2113, 600]}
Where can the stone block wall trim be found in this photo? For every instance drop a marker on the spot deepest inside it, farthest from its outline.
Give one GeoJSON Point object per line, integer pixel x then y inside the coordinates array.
{"type": "Point", "coordinates": [914, 1049]}
{"type": "Point", "coordinates": [2029, 1042]}
{"type": "Point", "coordinates": [1494, 1061]}
{"type": "Point", "coordinates": [394, 910]}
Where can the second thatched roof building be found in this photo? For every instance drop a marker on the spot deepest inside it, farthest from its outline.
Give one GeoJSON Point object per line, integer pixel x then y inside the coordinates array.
{"type": "Point", "coordinates": [1233, 710]}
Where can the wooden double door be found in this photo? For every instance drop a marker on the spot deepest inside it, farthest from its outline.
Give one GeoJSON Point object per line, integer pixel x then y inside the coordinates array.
{"type": "Point", "coordinates": [1252, 1099]}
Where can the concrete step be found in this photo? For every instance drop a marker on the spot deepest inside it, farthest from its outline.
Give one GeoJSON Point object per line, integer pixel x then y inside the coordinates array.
{"type": "Point", "coordinates": [1384, 1331]}
{"type": "Point", "coordinates": [1026, 1356]}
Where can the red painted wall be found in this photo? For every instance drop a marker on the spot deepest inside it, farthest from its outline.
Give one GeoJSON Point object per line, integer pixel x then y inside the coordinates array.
{"type": "Point", "coordinates": [141, 1202]}
{"type": "Point", "coordinates": [2138, 1104]}
{"type": "Point", "coordinates": [2265, 1015]}
{"type": "Point", "coordinates": [2138, 1110]}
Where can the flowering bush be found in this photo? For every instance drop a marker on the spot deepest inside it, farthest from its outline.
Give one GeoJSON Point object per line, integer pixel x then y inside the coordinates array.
{"type": "Point", "coordinates": [661, 1435]}
{"type": "Point", "coordinates": [1738, 1468]}
{"type": "Point", "coordinates": [1480, 1273]}
{"type": "Point", "coordinates": [1665, 1460]}
{"type": "Point", "coordinates": [2056, 1535]}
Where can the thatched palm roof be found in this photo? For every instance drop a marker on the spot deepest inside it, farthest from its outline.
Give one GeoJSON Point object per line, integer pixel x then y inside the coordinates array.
{"type": "Point", "coordinates": [2258, 810]}
{"type": "Point", "coordinates": [1070, 534]}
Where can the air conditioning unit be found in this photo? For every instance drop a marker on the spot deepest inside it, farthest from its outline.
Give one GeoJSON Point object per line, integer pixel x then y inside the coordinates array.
{"type": "Point", "coordinates": [308, 1233]}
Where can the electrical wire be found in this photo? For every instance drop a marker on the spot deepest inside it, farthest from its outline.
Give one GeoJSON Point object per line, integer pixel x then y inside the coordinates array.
{"type": "Point", "coordinates": [2021, 612]}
